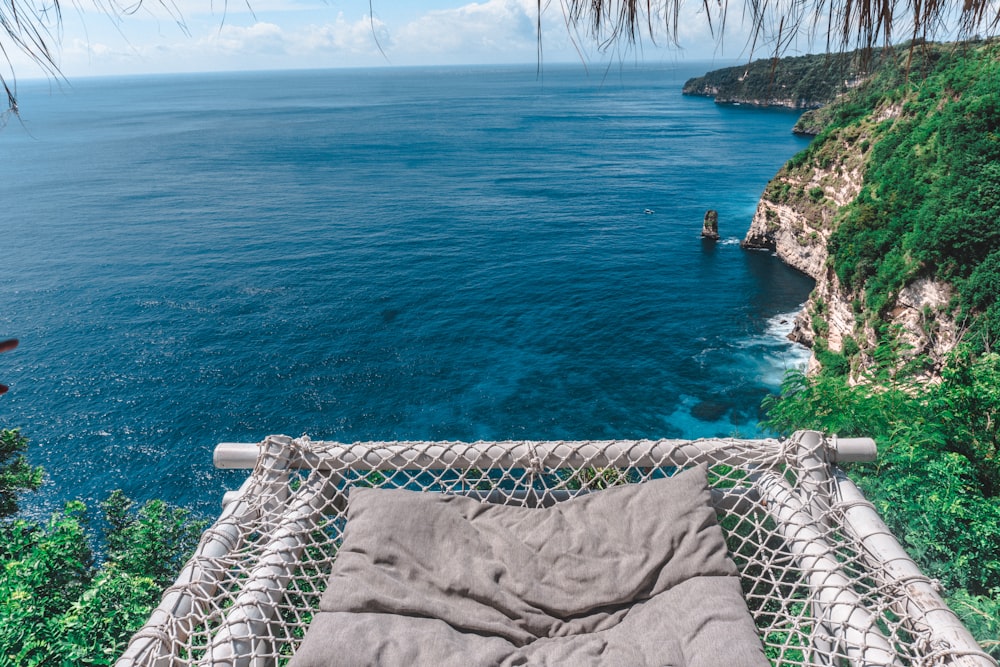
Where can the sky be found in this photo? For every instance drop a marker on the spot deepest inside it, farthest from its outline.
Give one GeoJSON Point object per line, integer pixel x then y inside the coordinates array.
{"type": "Point", "coordinates": [160, 36]}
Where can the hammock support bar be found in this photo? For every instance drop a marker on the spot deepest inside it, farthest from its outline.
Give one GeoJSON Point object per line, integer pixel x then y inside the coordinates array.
{"type": "Point", "coordinates": [243, 455]}
{"type": "Point", "coordinates": [190, 596]}
{"type": "Point", "coordinates": [921, 601]}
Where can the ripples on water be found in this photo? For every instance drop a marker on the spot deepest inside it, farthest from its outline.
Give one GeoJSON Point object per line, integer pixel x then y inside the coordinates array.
{"type": "Point", "coordinates": [383, 254]}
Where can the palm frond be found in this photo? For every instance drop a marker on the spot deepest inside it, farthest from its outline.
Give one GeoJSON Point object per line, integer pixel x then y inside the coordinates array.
{"type": "Point", "coordinates": [845, 24]}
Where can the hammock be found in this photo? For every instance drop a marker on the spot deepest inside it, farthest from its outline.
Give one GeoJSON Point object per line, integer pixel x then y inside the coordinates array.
{"type": "Point", "coordinates": [824, 579]}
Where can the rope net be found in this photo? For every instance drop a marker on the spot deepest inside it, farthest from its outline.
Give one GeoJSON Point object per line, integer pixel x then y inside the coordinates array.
{"type": "Point", "coordinates": [825, 581]}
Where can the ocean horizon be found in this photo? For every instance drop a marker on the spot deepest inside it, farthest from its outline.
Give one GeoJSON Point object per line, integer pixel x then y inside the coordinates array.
{"type": "Point", "coordinates": [447, 253]}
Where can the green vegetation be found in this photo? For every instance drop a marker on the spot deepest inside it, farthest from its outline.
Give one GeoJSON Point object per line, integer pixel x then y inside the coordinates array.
{"type": "Point", "coordinates": [59, 605]}
{"type": "Point", "coordinates": [937, 479]}
{"type": "Point", "coordinates": [926, 127]}
{"type": "Point", "coordinates": [931, 196]}
{"type": "Point", "coordinates": [802, 82]}
{"type": "Point", "coordinates": [16, 474]}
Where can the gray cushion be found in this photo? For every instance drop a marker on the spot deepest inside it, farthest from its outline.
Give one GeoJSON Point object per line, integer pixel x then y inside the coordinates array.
{"type": "Point", "coordinates": [634, 575]}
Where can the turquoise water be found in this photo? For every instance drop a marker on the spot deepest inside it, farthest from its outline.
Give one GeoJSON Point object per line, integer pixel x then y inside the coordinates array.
{"type": "Point", "coordinates": [449, 253]}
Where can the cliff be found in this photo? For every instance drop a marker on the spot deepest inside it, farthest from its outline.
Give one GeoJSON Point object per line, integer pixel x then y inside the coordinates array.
{"type": "Point", "coordinates": [893, 211]}
{"type": "Point", "coordinates": [801, 82]}
{"type": "Point", "coordinates": [795, 218]}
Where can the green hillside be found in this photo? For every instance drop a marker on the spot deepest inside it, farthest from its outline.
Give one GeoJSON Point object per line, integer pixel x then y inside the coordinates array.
{"type": "Point", "coordinates": [801, 82]}
{"type": "Point", "coordinates": [928, 126]}
{"type": "Point", "coordinates": [925, 129]}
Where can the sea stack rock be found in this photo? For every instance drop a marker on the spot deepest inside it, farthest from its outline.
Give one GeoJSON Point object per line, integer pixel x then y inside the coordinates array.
{"type": "Point", "coordinates": [710, 228]}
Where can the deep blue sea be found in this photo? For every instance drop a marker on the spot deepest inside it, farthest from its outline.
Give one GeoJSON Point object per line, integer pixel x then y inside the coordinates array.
{"type": "Point", "coordinates": [447, 253]}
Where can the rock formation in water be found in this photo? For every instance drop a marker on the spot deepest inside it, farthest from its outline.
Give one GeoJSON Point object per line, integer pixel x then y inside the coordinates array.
{"type": "Point", "coordinates": [710, 226]}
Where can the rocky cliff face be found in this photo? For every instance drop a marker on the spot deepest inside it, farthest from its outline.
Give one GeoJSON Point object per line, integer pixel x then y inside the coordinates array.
{"type": "Point", "coordinates": [802, 82]}
{"type": "Point", "coordinates": [794, 219]}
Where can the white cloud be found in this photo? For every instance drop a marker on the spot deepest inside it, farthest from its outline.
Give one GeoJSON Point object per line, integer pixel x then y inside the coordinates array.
{"type": "Point", "coordinates": [344, 37]}
{"type": "Point", "coordinates": [306, 33]}
{"type": "Point", "coordinates": [492, 31]}
{"type": "Point", "coordinates": [259, 38]}
{"type": "Point", "coordinates": [494, 26]}
{"type": "Point", "coordinates": [89, 49]}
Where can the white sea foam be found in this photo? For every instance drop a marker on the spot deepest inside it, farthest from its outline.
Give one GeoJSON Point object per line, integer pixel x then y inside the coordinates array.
{"type": "Point", "coordinates": [780, 325]}
{"type": "Point", "coordinates": [771, 354]}
{"type": "Point", "coordinates": [787, 355]}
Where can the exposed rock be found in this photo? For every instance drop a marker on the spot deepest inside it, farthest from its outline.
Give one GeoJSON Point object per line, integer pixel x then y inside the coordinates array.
{"type": "Point", "coordinates": [798, 82]}
{"type": "Point", "coordinates": [795, 218]}
{"type": "Point", "coordinates": [926, 324]}
{"type": "Point", "coordinates": [710, 226]}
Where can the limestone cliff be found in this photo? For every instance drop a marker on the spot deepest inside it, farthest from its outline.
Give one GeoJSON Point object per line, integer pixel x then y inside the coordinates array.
{"type": "Point", "coordinates": [892, 209]}
{"type": "Point", "coordinates": [796, 215]}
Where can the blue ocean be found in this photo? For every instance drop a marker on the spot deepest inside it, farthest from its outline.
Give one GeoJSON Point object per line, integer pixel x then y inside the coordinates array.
{"type": "Point", "coordinates": [442, 253]}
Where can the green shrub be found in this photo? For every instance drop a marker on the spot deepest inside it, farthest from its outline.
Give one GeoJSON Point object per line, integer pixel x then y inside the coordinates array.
{"type": "Point", "coordinates": [58, 604]}
{"type": "Point", "coordinates": [16, 474]}
{"type": "Point", "coordinates": [850, 347]}
{"type": "Point", "coordinates": [981, 614]}
{"type": "Point", "coordinates": [833, 363]}
{"type": "Point", "coordinates": [935, 481]}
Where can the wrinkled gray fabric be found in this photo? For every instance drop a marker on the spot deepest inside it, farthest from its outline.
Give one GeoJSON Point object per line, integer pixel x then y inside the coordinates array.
{"type": "Point", "coordinates": [635, 575]}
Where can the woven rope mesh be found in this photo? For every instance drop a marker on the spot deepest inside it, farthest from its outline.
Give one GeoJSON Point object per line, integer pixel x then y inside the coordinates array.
{"type": "Point", "coordinates": [818, 598]}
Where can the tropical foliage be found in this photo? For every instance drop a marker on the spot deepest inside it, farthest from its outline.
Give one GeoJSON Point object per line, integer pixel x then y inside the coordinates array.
{"type": "Point", "coordinates": [927, 125]}
{"type": "Point", "coordinates": [936, 479]}
{"type": "Point", "coordinates": [932, 193]}
{"type": "Point", "coordinates": [16, 474]}
{"type": "Point", "coordinates": [62, 604]}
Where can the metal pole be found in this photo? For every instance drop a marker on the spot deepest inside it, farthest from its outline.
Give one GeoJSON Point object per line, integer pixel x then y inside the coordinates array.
{"type": "Point", "coordinates": [843, 610]}
{"type": "Point", "coordinates": [245, 637]}
{"type": "Point", "coordinates": [919, 601]}
{"type": "Point", "coordinates": [389, 456]}
{"type": "Point", "coordinates": [182, 604]}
